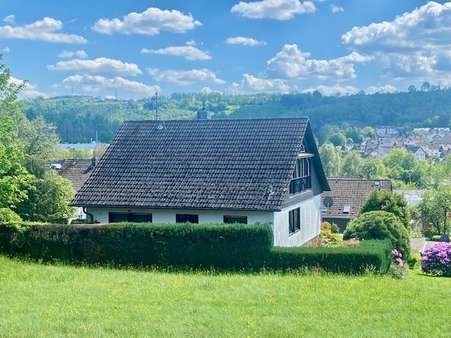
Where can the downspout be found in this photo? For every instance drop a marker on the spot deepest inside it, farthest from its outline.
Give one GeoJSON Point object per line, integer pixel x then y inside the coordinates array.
{"type": "Point", "coordinates": [91, 216]}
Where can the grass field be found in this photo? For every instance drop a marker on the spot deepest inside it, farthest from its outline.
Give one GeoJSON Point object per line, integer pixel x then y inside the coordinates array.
{"type": "Point", "coordinates": [48, 301]}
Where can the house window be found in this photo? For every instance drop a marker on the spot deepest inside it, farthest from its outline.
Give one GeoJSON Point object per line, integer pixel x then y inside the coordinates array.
{"type": "Point", "coordinates": [301, 176]}
{"type": "Point", "coordinates": [118, 217]}
{"type": "Point", "coordinates": [235, 219]}
{"type": "Point", "coordinates": [294, 220]}
{"type": "Point", "coordinates": [186, 218]}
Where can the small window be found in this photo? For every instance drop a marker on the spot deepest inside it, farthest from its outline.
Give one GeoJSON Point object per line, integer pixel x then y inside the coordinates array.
{"type": "Point", "coordinates": [186, 218]}
{"type": "Point", "coordinates": [294, 220]}
{"type": "Point", "coordinates": [347, 209]}
{"type": "Point", "coordinates": [118, 217]}
{"type": "Point", "coordinates": [235, 219]}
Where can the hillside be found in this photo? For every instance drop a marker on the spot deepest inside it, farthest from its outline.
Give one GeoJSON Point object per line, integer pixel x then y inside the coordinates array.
{"type": "Point", "coordinates": [79, 118]}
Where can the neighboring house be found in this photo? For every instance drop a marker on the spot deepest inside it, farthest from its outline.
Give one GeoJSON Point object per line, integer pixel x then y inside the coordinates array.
{"type": "Point", "coordinates": [346, 197]}
{"type": "Point", "coordinates": [418, 151]}
{"type": "Point", "coordinates": [77, 172]}
{"type": "Point", "coordinates": [211, 171]}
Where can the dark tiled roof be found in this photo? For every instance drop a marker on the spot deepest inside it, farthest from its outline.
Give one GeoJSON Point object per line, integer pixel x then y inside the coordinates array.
{"type": "Point", "coordinates": [349, 191]}
{"type": "Point", "coordinates": [198, 164]}
{"type": "Point", "coordinates": [76, 171]}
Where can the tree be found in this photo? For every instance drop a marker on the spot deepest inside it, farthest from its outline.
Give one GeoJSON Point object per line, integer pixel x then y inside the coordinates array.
{"type": "Point", "coordinates": [368, 132]}
{"type": "Point", "coordinates": [49, 200]}
{"type": "Point", "coordinates": [337, 139]}
{"type": "Point", "coordinates": [373, 168]}
{"type": "Point", "coordinates": [405, 167]}
{"type": "Point", "coordinates": [434, 209]}
{"type": "Point", "coordinates": [425, 87]}
{"type": "Point", "coordinates": [331, 159]}
{"type": "Point", "coordinates": [388, 201]}
{"type": "Point", "coordinates": [412, 89]}
{"type": "Point", "coordinates": [352, 164]}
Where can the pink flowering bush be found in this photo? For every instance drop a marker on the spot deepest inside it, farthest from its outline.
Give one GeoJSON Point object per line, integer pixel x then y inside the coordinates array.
{"type": "Point", "coordinates": [398, 268]}
{"type": "Point", "coordinates": [436, 260]}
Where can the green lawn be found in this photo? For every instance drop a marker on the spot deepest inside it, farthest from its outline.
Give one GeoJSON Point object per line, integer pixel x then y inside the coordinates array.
{"type": "Point", "coordinates": [48, 301]}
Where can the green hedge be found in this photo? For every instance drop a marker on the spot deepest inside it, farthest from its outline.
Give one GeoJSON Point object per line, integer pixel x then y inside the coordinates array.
{"type": "Point", "coordinates": [223, 247]}
{"type": "Point", "coordinates": [228, 246]}
{"type": "Point", "coordinates": [369, 255]}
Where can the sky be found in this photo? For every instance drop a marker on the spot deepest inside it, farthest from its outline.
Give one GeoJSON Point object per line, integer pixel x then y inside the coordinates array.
{"type": "Point", "coordinates": [132, 49]}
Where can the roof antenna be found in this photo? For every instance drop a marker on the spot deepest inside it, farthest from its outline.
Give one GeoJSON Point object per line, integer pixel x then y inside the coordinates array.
{"type": "Point", "coordinates": [157, 113]}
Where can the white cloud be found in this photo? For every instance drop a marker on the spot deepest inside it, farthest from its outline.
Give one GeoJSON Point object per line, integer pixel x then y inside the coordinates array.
{"type": "Point", "coordinates": [29, 90]}
{"type": "Point", "coordinates": [150, 22]}
{"type": "Point", "coordinates": [188, 52]}
{"type": "Point", "coordinates": [9, 19]}
{"type": "Point", "coordinates": [381, 90]}
{"type": "Point", "coordinates": [245, 41]}
{"type": "Point", "coordinates": [191, 43]}
{"type": "Point", "coordinates": [273, 9]}
{"type": "Point", "coordinates": [291, 62]}
{"type": "Point", "coordinates": [336, 9]}
{"type": "Point", "coordinates": [333, 90]}
{"type": "Point", "coordinates": [415, 44]}
{"type": "Point", "coordinates": [207, 91]}
{"type": "Point", "coordinates": [252, 84]}
{"type": "Point", "coordinates": [68, 54]}
{"type": "Point", "coordinates": [102, 86]}
{"type": "Point", "coordinates": [185, 77]}
{"type": "Point", "coordinates": [99, 65]}
{"type": "Point", "coordinates": [47, 29]}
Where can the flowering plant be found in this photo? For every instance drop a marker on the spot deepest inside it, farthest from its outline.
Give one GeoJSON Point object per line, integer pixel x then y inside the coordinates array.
{"type": "Point", "coordinates": [436, 260]}
{"type": "Point", "coordinates": [398, 268]}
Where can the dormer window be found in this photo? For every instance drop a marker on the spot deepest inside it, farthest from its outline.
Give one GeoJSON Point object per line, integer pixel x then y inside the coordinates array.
{"type": "Point", "coordinates": [302, 174]}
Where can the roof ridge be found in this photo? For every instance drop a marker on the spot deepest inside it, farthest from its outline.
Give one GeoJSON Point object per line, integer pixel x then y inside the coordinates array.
{"type": "Point", "coordinates": [303, 118]}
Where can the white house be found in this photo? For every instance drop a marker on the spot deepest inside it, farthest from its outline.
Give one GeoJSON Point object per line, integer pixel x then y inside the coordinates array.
{"type": "Point", "coordinates": [211, 171]}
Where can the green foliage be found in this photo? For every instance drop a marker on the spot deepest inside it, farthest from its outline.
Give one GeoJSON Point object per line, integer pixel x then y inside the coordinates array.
{"type": "Point", "coordinates": [7, 216]}
{"type": "Point", "coordinates": [380, 225]}
{"type": "Point", "coordinates": [331, 159]}
{"type": "Point", "coordinates": [353, 163]}
{"type": "Point", "coordinates": [49, 200]}
{"type": "Point", "coordinates": [372, 256]}
{"type": "Point", "coordinates": [386, 200]}
{"type": "Point", "coordinates": [225, 246]}
{"type": "Point", "coordinates": [434, 208]}
{"type": "Point", "coordinates": [337, 139]}
{"type": "Point", "coordinates": [405, 167]}
{"type": "Point", "coordinates": [373, 168]}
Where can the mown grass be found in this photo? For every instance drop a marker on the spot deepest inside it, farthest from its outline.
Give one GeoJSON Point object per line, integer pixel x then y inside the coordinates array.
{"type": "Point", "coordinates": [56, 300]}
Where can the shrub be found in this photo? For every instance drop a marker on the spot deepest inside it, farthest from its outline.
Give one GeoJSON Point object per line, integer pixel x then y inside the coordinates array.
{"type": "Point", "coordinates": [226, 246]}
{"type": "Point", "coordinates": [436, 260]}
{"type": "Point", "coordinates": [7, 216]}
{"type": "Point", "coordinates": [366, 256]}
{"type": "Point", "coordinates": [436, 238]}
{"type": "Point", "coordinates": [414, 260]}
{"type": "Point", "coordinates": [380, 225]}
{"type": "Point", "coordinates": [386, 200]}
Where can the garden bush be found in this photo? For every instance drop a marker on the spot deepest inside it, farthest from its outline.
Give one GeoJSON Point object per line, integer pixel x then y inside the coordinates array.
{"type": "Point", "coordinates": [225, 246]}
{"type": "Point", "coordinates": [436, 260]}
{"type": "Point", "coordinates": [366, 256]}
{"type": "Point", "coordinates": [380, 225]}
{"type": "Point", "coordinates": [7, 216]}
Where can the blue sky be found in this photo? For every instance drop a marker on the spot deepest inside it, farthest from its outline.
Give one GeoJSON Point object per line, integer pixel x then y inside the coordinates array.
{"type": "Point", "coordinates": [130, 49]}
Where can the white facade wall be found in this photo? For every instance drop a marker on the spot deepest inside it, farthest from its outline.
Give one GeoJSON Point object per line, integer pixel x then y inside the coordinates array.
{"type": "Point", "coordinates": [168, 215]}
{"type": "Point", "coordinates": [310, 219]}
{"type": "Point", "coordinates": [310, 223]}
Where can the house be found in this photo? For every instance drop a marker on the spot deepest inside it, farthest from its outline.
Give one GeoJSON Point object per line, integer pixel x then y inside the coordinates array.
{"type": "Point", "coordinates": [418, 151]}
{"type": "Point", "coordinates": [346, 197]}
{"type": "Point", "coordinates": [77, 172]}
{"type": "Point", "coordinates": [211, 171]}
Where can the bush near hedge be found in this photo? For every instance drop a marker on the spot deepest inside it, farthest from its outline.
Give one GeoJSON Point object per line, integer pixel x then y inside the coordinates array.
{"type": "Point", "coordinates": [226, 246]}
{"type": "Point", "coordinates": [380, 225]}
{"type": "Point", "coordinates": [223, 247]}
{"type": "Point", "coordinates": [369, 255]}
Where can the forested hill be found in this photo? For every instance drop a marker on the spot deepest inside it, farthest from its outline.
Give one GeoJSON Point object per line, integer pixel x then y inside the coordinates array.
{"type": "Point", "coordinates": [79, 118]}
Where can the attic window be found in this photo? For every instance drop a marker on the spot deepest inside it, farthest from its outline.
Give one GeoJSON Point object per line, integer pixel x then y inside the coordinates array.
{"type": "Point", "coordinates": [347, 209]}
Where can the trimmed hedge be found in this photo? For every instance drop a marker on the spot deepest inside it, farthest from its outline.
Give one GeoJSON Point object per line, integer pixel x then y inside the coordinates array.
{"type": "Point", "coordinates": [225, 246]}
{"type": "Point", "coordinates": [372, 255]}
